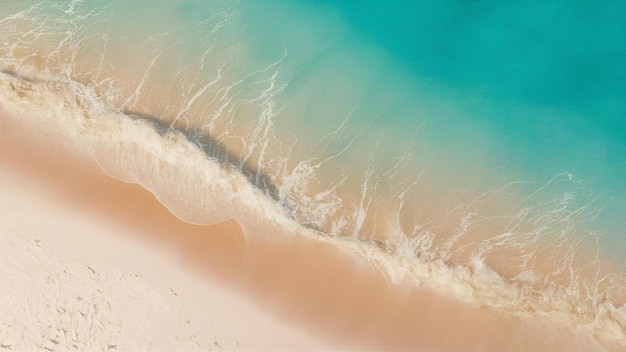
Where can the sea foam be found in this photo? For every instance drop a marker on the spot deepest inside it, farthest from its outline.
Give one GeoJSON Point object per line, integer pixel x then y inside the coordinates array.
{"type": "Point", "coordinates": [202, 189]}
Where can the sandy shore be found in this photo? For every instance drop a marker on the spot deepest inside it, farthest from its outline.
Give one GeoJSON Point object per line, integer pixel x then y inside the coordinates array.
{"type": "Point", "coordinates": [91, 263]}
{"type": "Point", "coordinates": [96, 264]}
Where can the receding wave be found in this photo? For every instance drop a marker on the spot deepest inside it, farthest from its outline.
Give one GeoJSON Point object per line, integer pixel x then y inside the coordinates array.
{"type": "Point", "coordinates": [203, 182]}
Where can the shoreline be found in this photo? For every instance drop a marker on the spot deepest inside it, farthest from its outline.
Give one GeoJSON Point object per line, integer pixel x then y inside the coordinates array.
{"type": "Point", "coordinates": [304, 283]}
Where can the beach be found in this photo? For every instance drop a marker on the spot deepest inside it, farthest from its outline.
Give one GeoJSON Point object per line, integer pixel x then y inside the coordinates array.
{"type": "Point", "coordinates": [87, 272]}
{"type": "Point", "coordinates": [84, 272]}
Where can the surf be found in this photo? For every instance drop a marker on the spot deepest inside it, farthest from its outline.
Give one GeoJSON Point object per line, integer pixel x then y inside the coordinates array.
{"type": "Point", "coordinates": [200, 189]}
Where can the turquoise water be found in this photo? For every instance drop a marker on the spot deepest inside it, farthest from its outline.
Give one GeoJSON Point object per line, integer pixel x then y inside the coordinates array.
{"type": "Point", "coordinates": [546, 78]}
{"type": "Point", "coordinates": [536, 88]}
{"type": "Point", "coordinates": [445, 132]}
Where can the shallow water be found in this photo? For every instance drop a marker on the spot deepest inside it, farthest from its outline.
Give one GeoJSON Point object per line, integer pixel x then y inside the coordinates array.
{"type": "Point", "coordinates": [475, 145]}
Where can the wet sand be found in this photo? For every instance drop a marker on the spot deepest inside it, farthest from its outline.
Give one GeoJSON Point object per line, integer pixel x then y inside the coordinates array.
{"type": "Point", "coordinates": [297, 293]}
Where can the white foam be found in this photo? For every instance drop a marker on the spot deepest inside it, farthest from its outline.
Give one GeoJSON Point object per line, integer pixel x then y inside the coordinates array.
{"type": "Point", "coordinates": [200, 190]}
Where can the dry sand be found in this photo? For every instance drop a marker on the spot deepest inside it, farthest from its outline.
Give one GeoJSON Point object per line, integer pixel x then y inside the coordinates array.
{"type": "Point", "coordinates": [91, 263]}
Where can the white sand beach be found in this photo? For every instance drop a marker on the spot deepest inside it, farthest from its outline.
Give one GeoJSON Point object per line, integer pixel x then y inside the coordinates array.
{"type": "Point", "coordinates": [83, 272]}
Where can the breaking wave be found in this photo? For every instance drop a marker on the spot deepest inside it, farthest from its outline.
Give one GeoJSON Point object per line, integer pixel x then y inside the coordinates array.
{"type": "Point", "coordinates": [204, 188]}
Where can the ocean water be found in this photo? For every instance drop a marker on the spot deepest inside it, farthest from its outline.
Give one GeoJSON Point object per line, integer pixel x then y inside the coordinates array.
{"type": "Point", "coordinates": [478, 147]}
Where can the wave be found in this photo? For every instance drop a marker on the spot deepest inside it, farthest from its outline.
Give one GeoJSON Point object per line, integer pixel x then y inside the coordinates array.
{"type": "Point", "coordinates": [201, 181]}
